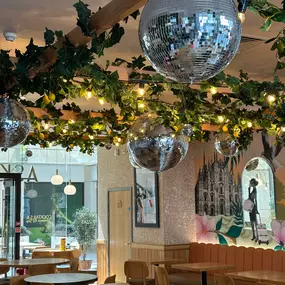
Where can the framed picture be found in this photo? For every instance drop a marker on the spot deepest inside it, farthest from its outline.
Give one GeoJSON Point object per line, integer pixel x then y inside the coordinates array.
{"type": "Point", "coordinates": [146, 199]}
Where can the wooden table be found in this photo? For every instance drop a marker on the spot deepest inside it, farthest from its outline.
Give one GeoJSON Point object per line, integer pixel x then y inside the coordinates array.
{"type": "Point", "coordinates": [258, 276]}
{"type": "Point", "coordinates": [25, 263]}
{"type": "Point", "coordinates": [202, 268]}
{"type": "Point", "coordinates": [63, 278]}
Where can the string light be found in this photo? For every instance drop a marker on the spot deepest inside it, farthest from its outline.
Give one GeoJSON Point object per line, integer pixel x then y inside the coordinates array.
{"type": "Point", "coordinates": [64, 80]}
{"type": "Point", "coordinates": [119, 139]}
{"type": "Point", "coordinates": [221, 119]}
{"type": "Point", "coordinates": [270, 98]}
{"type": "Point", "coordinates": [89, 94]}
{"type": "Point", "coordinates": [249, 124]}
{"type": "Point", "coordinates": [214, 90]}
{"type": "Point", "coordinates": [91, 137]}
{"type": "Point", "coordinates": [117, 144]}
{"type": "Point", "coordinates": [141, 105]}
{"type": "Point", "coordinates": [46, 126]}
{"type": "Point", "coordinates": [101, 101]}
{"type": "Point", "coordinates": [141, 90]}
{"type": "Point", "coordinates": [64, 131]}
{"type": "Point", "coordinates": [241, 17]}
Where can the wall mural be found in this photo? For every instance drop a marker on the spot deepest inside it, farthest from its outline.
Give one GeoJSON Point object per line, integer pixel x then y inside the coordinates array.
{"type": "Point", "coordinates": [245, 207]}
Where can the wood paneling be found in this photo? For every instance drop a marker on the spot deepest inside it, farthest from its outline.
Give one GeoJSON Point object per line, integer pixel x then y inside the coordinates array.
{"type": "Point", "coordinates": [102, 260]}
{"type": "Point", "coordinates": [159, 252]}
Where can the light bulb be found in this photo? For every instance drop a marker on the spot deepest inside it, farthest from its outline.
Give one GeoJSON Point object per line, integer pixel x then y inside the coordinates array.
{"type": "Point", "coordinates": [249, 124]}
{"type": "Point", "coordinates": [241, 17]}
{"type": "Point", "coordinates": [214, 90]}
{"type": "Point", "coordinates": [89, 94]}
{"type": "Point", "coordinates": [141, 105]}
{"type": "Point", "coordinates": [69, 189]}
{"type": "Point", "coordinates": [117, 144]}
{"type": "Point", "coordinates": [91, 137]}
{"type": "Point", "coordinates": [283, 129]}
{"type": "Point", "coordinates": [71, 121]}
{"type": "Point", "coordinates": [270, 98]}
{"type": "Point", "coordinates": [221, 119]}
{"type": "Point", "coordinates": [64, 131]}
{"type": "Point", "coordinates": [64, 80]}
{"type": "Point", "coordinates": [46, 126]}
{"type": "Point", "coordinates": [56, 179]}
{"type": "Point", "coordinates": [141, 90]}
{"type": "Point", "coordinates": [119, 139]}
{"type": "Point", "coordinates": [101, 101]}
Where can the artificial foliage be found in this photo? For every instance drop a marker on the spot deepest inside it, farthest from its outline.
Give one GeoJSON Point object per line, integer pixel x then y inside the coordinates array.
{"type": "Point", "coordinates": [246, 107]}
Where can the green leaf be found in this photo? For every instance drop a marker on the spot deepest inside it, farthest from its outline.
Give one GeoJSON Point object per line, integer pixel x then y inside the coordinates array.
{"type": "Point", "coordinates": [270, 40]}
{"type": "Point", "coordinates": [219, 224]}
{"type": "Point", "coordinates": [84, 14]}
{"type": "Point", "coordinates": [278, 247]}
{"type": "Point", "coordinates": [49, 37]}
{"type": "Point", "coordinates": [234, 231]}
{"type": "Point", "coordinates": [222, 240]}
{"type": "Point", "coordinates": [266, 25]}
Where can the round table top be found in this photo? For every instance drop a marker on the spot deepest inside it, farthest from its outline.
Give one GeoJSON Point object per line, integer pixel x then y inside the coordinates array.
{"type": "Point", "coordinates": [54, 249]}
{"type": "Point", "coordinates": [62, 278]}
{"type": "Point", "coordinates": [25, 263]}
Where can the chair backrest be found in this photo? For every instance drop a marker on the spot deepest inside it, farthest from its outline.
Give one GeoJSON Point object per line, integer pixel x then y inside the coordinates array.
{"type": "Point", "coordinates": [4, 270]}
{"type": "Point", "coordinates": [42, 269]}
{"type": "Point", "coordinates": [223, 280]}
{"type": "Point", "coordinates": [135, 269]}
{"type": "Point", "coordinates": [74, 264]}
{"type": "Point", "coordinates": [18, 280]}
{"type": "Point", "coordinates": [161, 276]}
{"type": "Point", "coordinates": [110, 279]}
{"type": "Point", "coordinates": [42, 254]}
{"type": "Point", "coordinates": [63, 254]}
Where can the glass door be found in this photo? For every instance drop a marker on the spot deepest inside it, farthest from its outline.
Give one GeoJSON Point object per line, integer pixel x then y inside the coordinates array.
{"type": "Point", "coordinates": [10, 195]}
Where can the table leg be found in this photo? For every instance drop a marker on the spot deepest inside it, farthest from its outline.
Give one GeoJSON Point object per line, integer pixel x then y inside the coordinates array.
{"type": "Point", "coordinates": [204, 277]}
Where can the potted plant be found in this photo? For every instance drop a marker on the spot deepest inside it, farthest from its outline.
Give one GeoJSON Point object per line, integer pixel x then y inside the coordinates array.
{"type": "Point", "coordinates": [85, 232]}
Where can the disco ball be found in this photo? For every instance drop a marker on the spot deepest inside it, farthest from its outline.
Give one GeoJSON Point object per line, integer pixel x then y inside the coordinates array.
{"type": "Point", "coordinates": [189, 41]}
{"type": "Point", "coordinates": [187, 130]}
{"type": "Point", "coordinates": [153, 146]}
{"type": "Point", "coordinates": [29, 153]}
{"type": "Point", "coordinates": [14, 123]}
{"type": "Point", "coordinates": [226, 146]}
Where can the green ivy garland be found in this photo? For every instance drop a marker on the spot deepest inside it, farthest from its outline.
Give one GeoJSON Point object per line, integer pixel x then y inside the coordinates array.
{"type": "Point", "coordinates": [250, 105]}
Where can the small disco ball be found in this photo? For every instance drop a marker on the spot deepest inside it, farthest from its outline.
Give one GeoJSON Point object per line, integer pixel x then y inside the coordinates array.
{"type": "Point", "coordinates": [153, 146]}
{"type": "Point", "coordinates": [187, 130]}
{"type": "Point", "coordinates": [14, 123]}
{"type": "Point", "coordinates": [226, 146]}
{"type": "Point", "coordinates": [29, 153]}
{"type": "Point", "coordinates": [189, 41]}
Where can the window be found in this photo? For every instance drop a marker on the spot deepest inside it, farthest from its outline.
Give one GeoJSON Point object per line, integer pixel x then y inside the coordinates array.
{"type": "Point", "coordinates": [222, 208]}
{"type": "Point", "coordinates": [205, 197]}
{"type": "Point", "coordinates": [206, 209]}
{"type": "Point", "coordinates": [221, 190]}
{"type": "Point", "coordinates": [212, 210]}
{"type": "Point", "coordinates": [212, 197]}
{"type": "Point", "coordinates": [221, 175]}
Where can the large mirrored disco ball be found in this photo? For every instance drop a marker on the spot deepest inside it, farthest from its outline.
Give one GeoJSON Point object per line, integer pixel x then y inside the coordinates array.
{"type": "Point", "coordinates": [14, 123]}
{"type": "Point", "coordinates": [226, 146]}
{"type": "Point", "coordinates": [189, 41]}
{"type": "Point", "coordinates": [153, 146]}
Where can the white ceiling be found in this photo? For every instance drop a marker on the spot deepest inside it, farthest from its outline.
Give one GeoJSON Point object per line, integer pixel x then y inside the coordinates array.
{"type": "Point", "coordinates": [30, 17]}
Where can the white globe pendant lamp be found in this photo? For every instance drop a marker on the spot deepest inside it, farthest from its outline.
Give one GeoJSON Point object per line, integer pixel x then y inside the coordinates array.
{"type": "Point", "coordinates": [56, 179]}
{"type": "Point", "coordinates": [69, 189]}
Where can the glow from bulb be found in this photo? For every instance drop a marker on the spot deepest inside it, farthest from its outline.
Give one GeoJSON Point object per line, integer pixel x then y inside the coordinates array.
{"type": "Point", "coordinates": [271, 98]}
{"type": "Point", "coordinates": [46, 126]}
{"type": "Point", "coordinates": [214, 90]}
{"type": "Point", "coordinates": [141, 91]}
{"type": "Point", "coordinates": [249, 124]}
{"type": "Point", "coordinates": [173, 135]}
{"type": "Point", "coordinates": [141, 105]}
{"type": "Point", "coordinates": [89, 94]}
{"type": "Point", "coordinates": [64, 131]}
{"type": "Point", "coordinates": [71, 121]}
{"type": "Point", "coordinates": [91, 137]}
{"type": "Point", "coordinates": [64, 80]}
{"type": "Point", "coordinates": [283, 129]}
{"type": "Point", "coordinates": [117, 144]}
{"type": "Point", "coordinates": [101, 101]}
{"type": "Point", "coordinates": [119, 139]}
{"type": "Point", "coordinates": [241, 17]}
{"type": "Point", "coordinates": [221, 119]}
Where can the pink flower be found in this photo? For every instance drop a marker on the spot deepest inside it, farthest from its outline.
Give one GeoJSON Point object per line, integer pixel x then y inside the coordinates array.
{"type": "Point", "coordinates": [278, 231]}
{"type": "Point", "coordinates": [205, 229]}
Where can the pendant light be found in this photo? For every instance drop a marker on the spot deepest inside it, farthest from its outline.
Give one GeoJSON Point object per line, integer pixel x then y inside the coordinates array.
{"type": "Point", "coordinates": [69, 189]}
{"type": "Point", "coordinates": [32, 193]}
{"type": "Point", "coordinates": [56, 179]}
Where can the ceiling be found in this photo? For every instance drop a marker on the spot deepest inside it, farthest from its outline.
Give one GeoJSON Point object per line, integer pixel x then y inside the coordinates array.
{"type": "Point", "coordinates": [29, 18]}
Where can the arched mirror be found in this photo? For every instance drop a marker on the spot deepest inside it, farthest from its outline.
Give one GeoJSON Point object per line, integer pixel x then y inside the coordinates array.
{"type": "Point", "coordinates": [258, 194]}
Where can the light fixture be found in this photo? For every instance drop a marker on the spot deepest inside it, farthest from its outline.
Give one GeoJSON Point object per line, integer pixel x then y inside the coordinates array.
{"type": "Point", "coordinates": [241, 17]}
{"type": "Point", "coordinates": [214, 90]}
{"type": "Point", "coordinates": [141, 90]}
{"type": "Point", "coordinates": [69, 189]}
{"type": "Point", "coordinates": [56, 179]}
{"type": "Point", "coordinates": [32, 193]}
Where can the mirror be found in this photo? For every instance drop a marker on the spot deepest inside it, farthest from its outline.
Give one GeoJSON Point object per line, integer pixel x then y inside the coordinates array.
{"type": "Point", "coordinates": [258, 193]}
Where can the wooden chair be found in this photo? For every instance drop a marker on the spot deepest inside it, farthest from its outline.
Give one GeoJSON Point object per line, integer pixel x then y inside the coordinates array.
{"type": "Point", "coordinates": [4, 270]}
{"type": "Point", "coordinates": [42, 269]}
{"type": "Point", "coordinates": [223, 280]}
{"type": "Point", "coordinates": [161, 276]}
{"type": "Point", "coordinates": [18, 280]}
{"type": "Point", "coordinates": [110, 279]}
{"type": "Point", "coordinates": [137, 273]}
{"type": "Point", "coordinates": [42, 254]}
{"type": "Point", "coordinates": [65, 268]}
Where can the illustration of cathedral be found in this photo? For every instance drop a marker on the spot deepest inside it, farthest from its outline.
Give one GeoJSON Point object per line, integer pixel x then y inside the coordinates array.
{"type": "Point", "coordinates": [216, 189]}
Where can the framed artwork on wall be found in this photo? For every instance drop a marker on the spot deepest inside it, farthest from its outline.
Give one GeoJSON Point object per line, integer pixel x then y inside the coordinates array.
{"type": "Point", "coordinates": [146, 198]}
